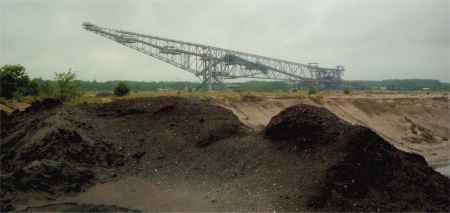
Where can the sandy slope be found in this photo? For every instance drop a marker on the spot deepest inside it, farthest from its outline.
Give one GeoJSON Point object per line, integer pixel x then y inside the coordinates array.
{"type": "Point", "coordinates": [412, 122]}
{"type": "Point", "coordinates": [416, 124]}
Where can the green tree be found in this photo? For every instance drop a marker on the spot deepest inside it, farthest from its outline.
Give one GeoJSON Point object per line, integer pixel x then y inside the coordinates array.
{"type": "Point", "coordinates": [47, 90]}
{"type": "Point", "coordinates": [13, 81]}
{"type": "Point", "coordinates": [67, 88]}
{"type": "Point", "coordinates": [33, 88]}
{"type": "Point", "coordinates": [121, 89]}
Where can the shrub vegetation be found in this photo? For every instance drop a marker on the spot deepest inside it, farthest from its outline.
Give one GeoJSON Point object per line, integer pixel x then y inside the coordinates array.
{"type": "Point", "coordinates": [15, 82]}
{"type": "Point", "coordinates": [121, 89]}
{"type": "Point", "coordinates": [67, 88]}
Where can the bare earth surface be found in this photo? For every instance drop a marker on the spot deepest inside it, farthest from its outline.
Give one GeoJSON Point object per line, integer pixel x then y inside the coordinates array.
{"type": "Point", "coordinates": [416, 123]}
{"type": "Point", "coordinates": [177, 154]}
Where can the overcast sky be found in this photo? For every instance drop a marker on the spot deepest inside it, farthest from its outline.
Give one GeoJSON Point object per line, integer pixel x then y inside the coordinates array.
{"type": "Point", "coordinates": [373, 39]}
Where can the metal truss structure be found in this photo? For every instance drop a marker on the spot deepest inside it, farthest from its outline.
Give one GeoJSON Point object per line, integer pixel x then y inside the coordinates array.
{"type": "Point", "coordinates": [213, 64]}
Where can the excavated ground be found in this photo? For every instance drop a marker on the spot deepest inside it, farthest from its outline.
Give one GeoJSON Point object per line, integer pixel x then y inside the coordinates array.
{"type": "Point", "coordinates": [175, 154]}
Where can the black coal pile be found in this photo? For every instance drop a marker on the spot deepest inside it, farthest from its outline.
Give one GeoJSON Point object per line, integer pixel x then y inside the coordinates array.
{"type": "Point", "coordinates": [198, 121]}
{"type": "Point", "coordinates": [304, 124]}
{"type": "Point", "coordinates": [375, 176]}
{"type": "Point", "coordinates": [365, 172]}
{"type": "Point", "coordinates": [45, 151]}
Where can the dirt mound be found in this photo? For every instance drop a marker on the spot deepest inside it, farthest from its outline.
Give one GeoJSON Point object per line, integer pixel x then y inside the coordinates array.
{"type": "Point", "coordinates": [63, 149]}
{"type": "Point", "coordinates": [197, 156]}
{"type": "Point", "coordinates": [365, 173]}
{"type": "Point", "coordinates": [412, 122]}
{"type": "Point", "coordinates": [196, 121]}
{"type": "Point", "coordinates": [9, 121]}
{"type": "Point", "coordinates": [55, 137]}
{"type": "Point", "coordinates": [47, 151]}
{"type": "Point", "coordinates": [61, 144]}
{"type": "Point", "coordinates": [305, 124]}
{"type": "Point", "coordinates": [372, 175]}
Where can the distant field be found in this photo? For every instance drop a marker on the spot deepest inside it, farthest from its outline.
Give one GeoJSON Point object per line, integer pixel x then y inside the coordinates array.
{"type": "Point", "coordinates": [91, 97]}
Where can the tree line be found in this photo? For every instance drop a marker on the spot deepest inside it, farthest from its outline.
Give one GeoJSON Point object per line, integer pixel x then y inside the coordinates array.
{"type": "Point", "coordinates": [15, 82]}
{"type": "Point", "coordinates": [270, 86]}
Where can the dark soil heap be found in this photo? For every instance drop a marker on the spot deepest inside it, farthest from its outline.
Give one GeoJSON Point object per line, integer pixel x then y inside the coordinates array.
{"type": "Point", "coordinates": [58, 150]}
{"type": "Point", "coordinates": [197, 121]}
{"type": "Point", "coordinates": [366, 173]}
{"type": "Point", "coordinates": [307, 159]}
{"type": "Point", "coordinates": [43, 150]}
{"type": "Point", "coordinates": [303, 124]}
{"type": "Point", "coordinates": [372, 175]}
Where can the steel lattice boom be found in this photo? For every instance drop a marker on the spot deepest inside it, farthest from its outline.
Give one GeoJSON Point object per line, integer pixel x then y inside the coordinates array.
{"type": "Point", "coordinates": [213, 65]}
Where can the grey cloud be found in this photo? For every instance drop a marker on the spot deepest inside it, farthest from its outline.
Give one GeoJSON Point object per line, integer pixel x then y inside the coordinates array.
{"type": "Point", "coordinates": [374, 39]}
